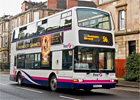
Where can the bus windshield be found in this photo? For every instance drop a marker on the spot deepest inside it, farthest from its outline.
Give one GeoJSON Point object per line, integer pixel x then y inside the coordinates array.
{"type": "Point", "coordinates": [94, 59]}
{"type": "Point", "coordinates": [92, 18]}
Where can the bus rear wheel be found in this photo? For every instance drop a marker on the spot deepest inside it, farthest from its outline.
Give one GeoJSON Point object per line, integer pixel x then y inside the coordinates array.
{"type": "Point", "coordinates": [19, 79]}
{"type": "Point", "coordinates": [53, 83]}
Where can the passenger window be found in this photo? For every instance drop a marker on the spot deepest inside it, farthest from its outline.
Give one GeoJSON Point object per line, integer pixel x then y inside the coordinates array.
{"type": "Point", "coordinates": [20, 61]}
{"type": "Point", "coordinates": [66, 20]}
{"type": "Point", "coordinates": [42, 27]}
{"type": "Point", "coordinates": [67, 60]}
{"type": "Point", "coordinates": [22, 32]}
{"type": "Point", "coordinates": [31, 30]}
{"type": "Point", "coordinates": [15, 34]}
{"type": "Point", "coordinates": [37, 61]}
{"type": "Point", "coordinates": [53, 23]}
{"type": "Point", "coordinates": [15, 60]}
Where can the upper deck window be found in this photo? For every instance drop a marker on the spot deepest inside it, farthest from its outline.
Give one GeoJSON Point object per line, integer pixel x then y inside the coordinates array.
{"type": "Point", "coordinates": [42, 26]}
{"type": "Point", "coordinates": [66, 20]}
{"type": "Point", "coordinates": [53, 23]}
{"type": "Point", "coordinates": [91, 18]}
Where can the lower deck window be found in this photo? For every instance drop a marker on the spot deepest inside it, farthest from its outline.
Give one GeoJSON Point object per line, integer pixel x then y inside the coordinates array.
{"type": "Point", "coordinates": [29, 61]}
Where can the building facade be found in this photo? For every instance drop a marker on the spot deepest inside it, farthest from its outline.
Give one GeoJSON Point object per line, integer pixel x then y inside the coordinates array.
{"type": "Point", "coordinates": [4, 40]}
{"type": "Point", "coordinates": [126, 19]}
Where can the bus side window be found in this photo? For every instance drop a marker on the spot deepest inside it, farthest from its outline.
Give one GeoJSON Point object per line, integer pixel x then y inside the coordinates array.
{"type": "Point", "coordinates": [66, 20]}
{"type": "Point", "coordinates": [15, 61]}
{"type": "Point", "coordinates": [21, 61]}
{"type": "Point", "coordinates": [42, 27]}
{"type": "Point", "coordinates": [37, 61]}
{"type": "Point", "coordinates": [67, 60]}
{"type": "Point", "coordinates": [53, 23]}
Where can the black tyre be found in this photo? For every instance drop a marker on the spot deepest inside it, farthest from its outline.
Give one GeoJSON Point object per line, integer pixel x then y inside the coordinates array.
{"type": "Point", "coordinates": [19, 79]}
{"type": "Point", "coordinates": [53, 83]}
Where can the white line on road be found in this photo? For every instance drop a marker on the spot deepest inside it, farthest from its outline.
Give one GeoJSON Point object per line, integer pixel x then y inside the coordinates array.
{"type": "Point", "coordinates": [30, 90]}
{"type": "Point", "coordinates": [2, 84]}
{"type": "Point", "coordinates": [68, 98]}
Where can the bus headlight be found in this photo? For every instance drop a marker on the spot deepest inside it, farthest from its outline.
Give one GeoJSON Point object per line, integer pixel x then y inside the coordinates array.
{"type": "Point", "coordinates": [78, 80]}
{"type": "Point", "coordinates": [112, 80]}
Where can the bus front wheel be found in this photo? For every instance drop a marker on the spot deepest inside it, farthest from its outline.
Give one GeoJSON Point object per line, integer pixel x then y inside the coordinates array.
{"type": "Point", "coordinates": [53, 83]}
{"type": "Point", "coordinates": [19, 79]}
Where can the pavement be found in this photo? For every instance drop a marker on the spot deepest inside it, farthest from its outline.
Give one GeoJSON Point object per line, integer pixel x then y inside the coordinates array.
{"type": "Point", "coordinates": [124, 83]}
{"type": "Point", "coordinates": [121, 82]}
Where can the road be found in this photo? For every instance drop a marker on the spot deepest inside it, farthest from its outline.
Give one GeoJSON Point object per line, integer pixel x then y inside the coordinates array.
{"type": "Point", "coordinates": [12, 91]}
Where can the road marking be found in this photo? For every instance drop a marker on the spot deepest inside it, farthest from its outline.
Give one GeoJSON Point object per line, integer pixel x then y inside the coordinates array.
{"type": "Point", "coordinates": [68, 98]}
{"type": "Point", "coordinates": [2, 84]}
{"type": "Point", "coordinates": [30, 90]}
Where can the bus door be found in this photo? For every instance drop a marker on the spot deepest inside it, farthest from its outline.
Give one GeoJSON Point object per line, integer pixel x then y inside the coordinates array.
{"type": "Point", "coordinates": [63, 61]}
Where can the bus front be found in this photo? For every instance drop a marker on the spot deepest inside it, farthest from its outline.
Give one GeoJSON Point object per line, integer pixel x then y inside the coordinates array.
{"type": "Point", "coordinates": [94, 54]}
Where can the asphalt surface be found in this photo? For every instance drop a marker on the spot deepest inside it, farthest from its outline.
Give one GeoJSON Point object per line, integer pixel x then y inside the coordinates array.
{"type": "Point", "coordinates": [10, 90]}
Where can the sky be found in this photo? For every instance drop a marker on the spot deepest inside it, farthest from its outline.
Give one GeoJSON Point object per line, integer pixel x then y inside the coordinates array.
{"type": "Point", "coordinates": [13, 7]}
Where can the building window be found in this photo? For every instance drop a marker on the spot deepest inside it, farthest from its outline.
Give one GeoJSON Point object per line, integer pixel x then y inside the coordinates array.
{"type": "Point", "coordinates": [12, 25]}
{"type": "Point", "coordinates": [15, 22]}
{"type": "Point", "coordinates": [122, 20]}
{"type": "Point", "coordinates": [2, 58]}
{"type": "Point", "coordinates": [116, 50]}
{"type": "Point", "coordinates": [0, 28]}
{"type": "Point", "coordinates": [19, 21]}
{"type": "Point", "coordinates": [104, 1]}
{"type": "Point", "coordinates": [132, 47]}
{"type": "Point", "coordinates": [6, 26]}
{"type": "Point", "coordinates": [36, 16]}
{"type": "Point", "coordinates": [5, 41]}
{"type": "Point", "coordinates": [5, 57]}
{"type": "Point", "coordinates": [3, 26]}
{"type": "Point", "coordinates": [28, 18]}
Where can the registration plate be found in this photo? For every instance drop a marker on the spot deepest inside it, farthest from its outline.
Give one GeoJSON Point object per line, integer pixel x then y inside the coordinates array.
{"type": "Point", "coordinates": [97, 85]}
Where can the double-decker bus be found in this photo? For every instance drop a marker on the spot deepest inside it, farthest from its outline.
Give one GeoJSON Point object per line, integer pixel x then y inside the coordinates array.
{"type": "Point", "coordinates": [73, 49]}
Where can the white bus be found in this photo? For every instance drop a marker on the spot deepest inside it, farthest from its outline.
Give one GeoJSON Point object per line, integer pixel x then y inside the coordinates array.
{"type": "Point", "coordinates": [73, 49]}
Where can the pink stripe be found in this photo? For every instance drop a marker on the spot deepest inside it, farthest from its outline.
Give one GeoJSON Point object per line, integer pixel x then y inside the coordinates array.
{"type": "Point", "coordinates": [97, 81]}
{"type": "Point", "coordinates": [65, 80]}
{"type": "Point", "coordinates": [40, 78]}
{"type": "Point", "coordinates": [12, 75]}
{"type": "Point", "coordinates": [23, 76]}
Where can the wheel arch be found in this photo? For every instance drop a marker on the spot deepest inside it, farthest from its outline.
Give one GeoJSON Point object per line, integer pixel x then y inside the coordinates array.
{"type": "Point", "coordinates": [19, 72]}
{"type": "Point", "coordinates": [50, 78]}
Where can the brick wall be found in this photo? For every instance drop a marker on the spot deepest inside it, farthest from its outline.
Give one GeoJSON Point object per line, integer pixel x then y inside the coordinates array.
{"type": "Point", "coordinates": [24, 4]}
{"type": "Point", "coordinates": [52, 3]}
{"type": "Point", "coordinates": [71, 3]}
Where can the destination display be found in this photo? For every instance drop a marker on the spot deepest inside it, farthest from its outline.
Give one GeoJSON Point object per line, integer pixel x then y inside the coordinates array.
{"type": "Point", "coordinates": [30, 43]}
{"type": "Point", "coordinates": [95, 38]}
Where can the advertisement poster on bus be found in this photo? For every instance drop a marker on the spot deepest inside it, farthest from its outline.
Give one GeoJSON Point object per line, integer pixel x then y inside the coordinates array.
{"type": "Point", "coordinates": [29, 43]}
{"type": "Point", "coordinates": [47, 41]}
